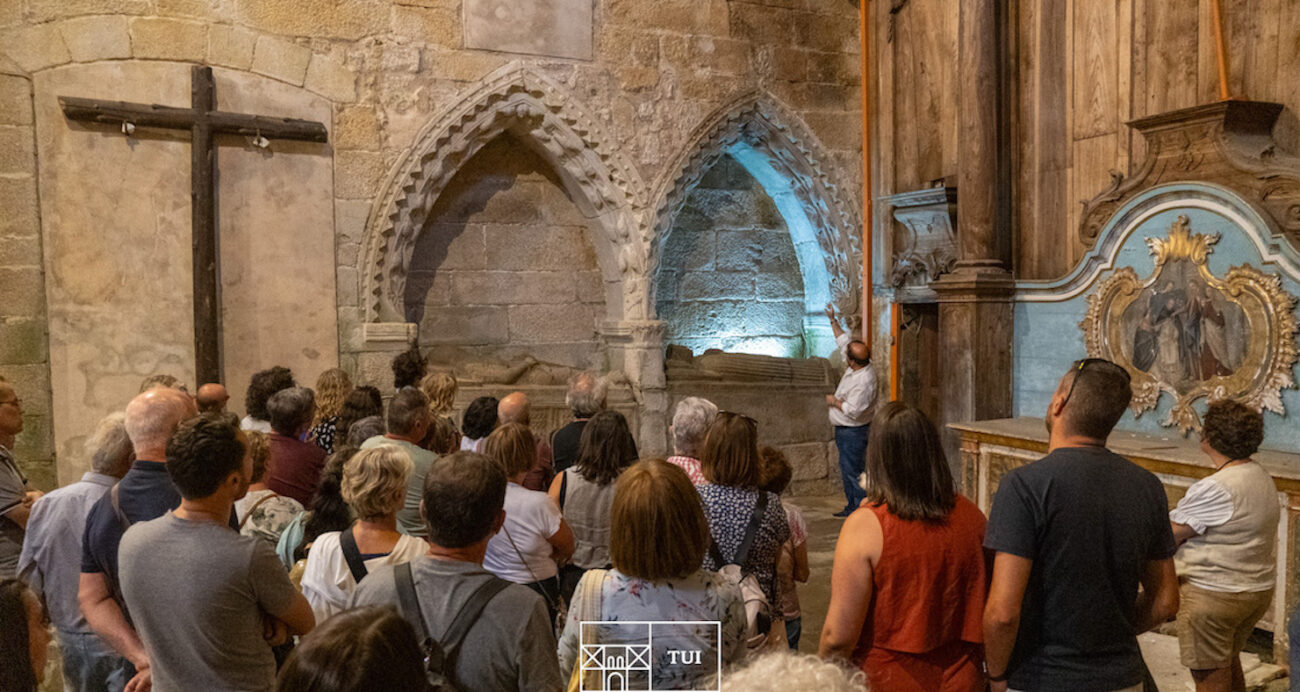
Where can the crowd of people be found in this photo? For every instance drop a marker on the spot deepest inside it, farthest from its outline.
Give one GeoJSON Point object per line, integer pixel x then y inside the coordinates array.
{"type": "Point", "coordinates": [332, 541]}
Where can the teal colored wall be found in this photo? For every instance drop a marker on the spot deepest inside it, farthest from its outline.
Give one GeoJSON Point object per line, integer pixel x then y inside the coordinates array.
{"type": "Point", "coordinates": [1048, 337]}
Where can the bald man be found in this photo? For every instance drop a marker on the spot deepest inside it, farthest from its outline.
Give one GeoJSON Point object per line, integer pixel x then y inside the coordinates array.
{"type": "Point", "coordinates": [850, 409]}
{"type": "Point", "coordinates": [515, 408]}
{"type": "Point", "coordinates": [145, 492]}
{"type": "Point", "coordinates": [212, 398]}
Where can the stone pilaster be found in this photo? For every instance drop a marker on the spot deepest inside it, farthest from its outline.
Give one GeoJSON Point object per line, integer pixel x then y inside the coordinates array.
{"type": "Point", "coordinates": [637, 348]}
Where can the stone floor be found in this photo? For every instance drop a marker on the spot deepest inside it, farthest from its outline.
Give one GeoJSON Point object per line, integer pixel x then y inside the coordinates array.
{"type": "Point", "coordinates": [1160, 651]}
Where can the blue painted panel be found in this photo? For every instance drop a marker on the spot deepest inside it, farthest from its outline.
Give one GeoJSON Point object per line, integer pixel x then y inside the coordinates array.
{"type": "Point", "coordinates": [1047, 316]}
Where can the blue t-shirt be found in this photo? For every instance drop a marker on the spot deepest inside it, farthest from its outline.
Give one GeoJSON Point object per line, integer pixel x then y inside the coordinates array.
{"type": "Point", "coordinates": [1090, 520]}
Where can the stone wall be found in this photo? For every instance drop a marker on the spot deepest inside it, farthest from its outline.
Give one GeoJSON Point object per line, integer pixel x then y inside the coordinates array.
{"type": "Point", "coordinates": [729, 277]}
{"type": "Point", "coordinates": [668, 85]}
{"type": "Point", "coordinates": [504, 266]}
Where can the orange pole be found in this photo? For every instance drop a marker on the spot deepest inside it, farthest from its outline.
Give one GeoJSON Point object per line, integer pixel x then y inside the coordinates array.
{"type": "Point", "coordinates": [1217, 17]}
{"type": "Point", "coordinates": [895, 330]}
{"type": "Point", "coordinates": [864, 27]}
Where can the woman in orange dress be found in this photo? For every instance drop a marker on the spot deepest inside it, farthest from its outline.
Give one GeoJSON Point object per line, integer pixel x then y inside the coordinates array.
{"type": "Point", "coordinates": [910, 574]}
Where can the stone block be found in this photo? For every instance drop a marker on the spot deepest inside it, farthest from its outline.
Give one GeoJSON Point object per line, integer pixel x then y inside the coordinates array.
{"type": "Point", "coordinates": [97, 38]}
{"type": "Point", "coordinates": [38, 11]}
{"type": "Point", "coordinates": [346, 286]}
{"type": "Point", "coordinates": [823, 32]}
{"type": "Point", "coordinates": [724, 55]}
{"type": "Point", "coordinates": [729, 208]}
{"type": "Point", "coordinates": [11, 13]}
{"type": "Point", "coordinates": [400, 59]}
{"type": "Point", "coordinates": [738, 250]}
{"type": "Point", "coordinates": [838, 130]}
{"type": "Point", "coordinates": [673, 15]}
{"type": "Point", "coordinates": [450, 246]}
{"type": "Point", "coordinates": [553, 28]}
{"type": "Point", "coordinates": [467, 326]}
{"type": "Point", "coordinates": [438, 26]}
{"type": "Point", "coordinates": [17, 150]}
{"type": "Point", "coordinates": [716, 285]}
{"type": "Point", "coordinates": [18, 200]}
{"type": "Point", "coordinates": [231, 46]}
{"type": "Point", "coordinates": [786, 286]}
{"type": "Point", "coordinates": [344, 20]}
{"type": "Point", "coordinates": [637, 78]}
{"type": "Point", "coordinates": [789, 63]}
{"type": "Point", "coordinates": [762, 24]}
{"type": "Point", "coordinates": [168, 39]}
{"type": "Point", "coordinates": [35, 47]}
{"type": "Point", "coordinates": [689, 249]}
{"type": "Point", "coordinates": [703, 318]}
{"type": "Point", "coordinates": [23, 342]}
{"type": "Point", "coordinates": [666, 290]}
{"type": "Point", "coordinates": [24, 251]}
{"type": "Point", "coordinates": [590, 287]}
{"type": "Point", "coordinates": [357, 127]}
{"type": "Point", "coordinates": [512, 288]}
{"type": "Point", "coordinates": [555, 249]}
{"type": "Point", "coordinates": [629, 45]}
{"type": "Point", "coordinates": [24, 294]}
{"type": "Point", "coordinates": [281, 59]}
{"type": "Point", "coordinates": [581, 354]}
{"type": "Point", "coordinates": [808, 460]}
{"type": "Point", "coordinates": [357, 174]}
{"type": "Point", "coordinates": [465, 66]}
{"type": "Point", "coordinates": [350, 220]}
{"type": "Point", "coordinates": [331, 79]}
{"type": "Point", "coordinates": [15, 100]}
{"type": "Point", "coordinates": [531, 324]}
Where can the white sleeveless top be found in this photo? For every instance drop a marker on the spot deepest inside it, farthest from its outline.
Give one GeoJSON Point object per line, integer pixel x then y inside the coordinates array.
{"type": "Point", "coordinates": [1236, 512]}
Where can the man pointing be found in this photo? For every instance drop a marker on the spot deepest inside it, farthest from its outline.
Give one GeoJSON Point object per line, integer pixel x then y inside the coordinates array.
{"type": "Point", "coordinates": [850, 409]}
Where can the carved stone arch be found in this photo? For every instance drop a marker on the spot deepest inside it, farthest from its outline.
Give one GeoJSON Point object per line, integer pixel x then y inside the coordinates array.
{"type": "Point", "coordinates": [790, 163]}
{"type": "Point", "coordinates": [540, 113]}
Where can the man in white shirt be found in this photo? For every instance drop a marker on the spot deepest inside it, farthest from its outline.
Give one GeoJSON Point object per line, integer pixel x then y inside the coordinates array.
{"type": "Point", "coordinates": [850, 409]}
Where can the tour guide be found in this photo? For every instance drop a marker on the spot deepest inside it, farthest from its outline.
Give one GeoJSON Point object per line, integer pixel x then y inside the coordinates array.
{"type": "Point", "coordinates": [850, 410]}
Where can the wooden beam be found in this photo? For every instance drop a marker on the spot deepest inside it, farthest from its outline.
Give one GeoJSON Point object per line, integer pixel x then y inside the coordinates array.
{"type": "Point", "coordinates": [1221, 50]}
{"type": "Point", "coordinates": [203, 220]}
{"type": "Point", "coordinates": [118, 112]}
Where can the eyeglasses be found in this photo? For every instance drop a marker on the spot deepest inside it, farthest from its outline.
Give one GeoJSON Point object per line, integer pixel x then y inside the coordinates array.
{"type": "Point", "coordinates": [1081, 365]}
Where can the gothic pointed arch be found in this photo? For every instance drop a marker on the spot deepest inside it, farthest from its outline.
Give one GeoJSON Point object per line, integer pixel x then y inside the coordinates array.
{"type": "Point", "coordinates": [541, 114]}
{"type": "Point", "coordinates": [793, 168]}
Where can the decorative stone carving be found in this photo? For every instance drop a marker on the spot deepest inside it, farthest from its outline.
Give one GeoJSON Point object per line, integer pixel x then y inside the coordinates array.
{"type": "Point", "coordinates": [771, 132]}
{"type": "Point", "coordinates": [713, 365]}
{"type": "Point", "coordinates": [924, 240]}
{"type": "Point", "coordinates": [1229, 143]}
{"type": "Point", "coordinates": [1193, 335]}
{"type": "Point", "coordinates": [602, 181]}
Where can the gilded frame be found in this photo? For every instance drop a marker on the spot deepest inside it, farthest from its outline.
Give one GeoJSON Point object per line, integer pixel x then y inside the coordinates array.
{"type": "Point", "coordinates": [1269, 354]}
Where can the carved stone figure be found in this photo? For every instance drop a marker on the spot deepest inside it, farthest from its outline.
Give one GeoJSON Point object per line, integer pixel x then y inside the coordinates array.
{"type": "Point", "coordinates": [719, 366]}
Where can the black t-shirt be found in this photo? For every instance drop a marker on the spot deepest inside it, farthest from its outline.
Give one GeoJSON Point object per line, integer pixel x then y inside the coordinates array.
{"type": "Point", "coordinates": [1089, 519]}
{"type": "Point", "coordinates": [564, 444]}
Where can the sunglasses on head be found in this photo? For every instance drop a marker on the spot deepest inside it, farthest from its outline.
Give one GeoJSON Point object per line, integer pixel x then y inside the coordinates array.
{"type": "Point", "coordinates": [1081, 365]}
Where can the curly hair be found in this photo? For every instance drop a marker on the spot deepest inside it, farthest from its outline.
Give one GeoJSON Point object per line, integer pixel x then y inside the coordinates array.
{"type": "Point", "coordinates": [408, 368]}
{"type": "Point", "coordinates": [790, 670]}
{"type": "Point", "coordinates": [202, 453]}
{"type": "Point", "coordinates": [363, 402]}
{"type": "Point", "coordinates": [480, 418]}
{"type": "Point", "coordinates": [332, 387]}
{"type": "Point", "coordinates": [1233, 429]}
{"type": "Point", "coordinates": [441, 388]}
{"type": "Point", "coordinates": [777, 471]}
{"type": "Point", "coordinates": [259, 448]}
{"type": "Point", "coordinates": [374, 480]}
{"type": "Point", "coordinates": [262, 385]}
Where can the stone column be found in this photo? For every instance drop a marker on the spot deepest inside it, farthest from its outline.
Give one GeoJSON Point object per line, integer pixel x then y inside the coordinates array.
{"type": "Point", "coordinates": [637, 348]}
{"type": "Point", "coordinates": [975, 312]}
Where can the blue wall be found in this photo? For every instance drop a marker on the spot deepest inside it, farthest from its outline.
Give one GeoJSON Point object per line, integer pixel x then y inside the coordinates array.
{"type": "Point", "coordinates": [1047, 333]}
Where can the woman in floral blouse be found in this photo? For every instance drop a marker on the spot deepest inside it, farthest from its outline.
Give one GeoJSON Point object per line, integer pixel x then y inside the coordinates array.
{"type": "Point", "coordinates": [658, 540]}
{"type": "Point", "coordinates": [332, 387]}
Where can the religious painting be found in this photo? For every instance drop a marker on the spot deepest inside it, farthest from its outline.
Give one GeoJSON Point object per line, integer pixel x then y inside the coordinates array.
{"type": "Point", "coordinates": [1193, 335]}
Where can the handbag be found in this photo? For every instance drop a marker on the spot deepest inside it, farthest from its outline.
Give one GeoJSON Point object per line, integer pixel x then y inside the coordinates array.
{"type": "Point", "coordinates": [589, 610]}
{"type": "Point", "coordinates": [554, 603]}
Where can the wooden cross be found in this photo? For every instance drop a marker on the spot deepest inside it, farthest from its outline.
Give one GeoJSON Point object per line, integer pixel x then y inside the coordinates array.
{"type": "Point", "coordinates": [204, 122]}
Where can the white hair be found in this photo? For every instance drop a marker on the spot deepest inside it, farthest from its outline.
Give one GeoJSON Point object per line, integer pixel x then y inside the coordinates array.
{"type": "Point", "coordinates": [586, 395]}
{"type": "Point", "coordinates": [785, 670]}
{"type": "Point", "coordinates": [691, 420]}
{"type": "Point", "coordinates": [109, 447]}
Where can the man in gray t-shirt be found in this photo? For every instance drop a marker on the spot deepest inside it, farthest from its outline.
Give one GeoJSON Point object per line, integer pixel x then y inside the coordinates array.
{"type": "Point", "coordinates": [199, 593]}
{"type": "Point", "coordinates": [16, 494]}
{"type": "Point", "coordinates": [511, 645]}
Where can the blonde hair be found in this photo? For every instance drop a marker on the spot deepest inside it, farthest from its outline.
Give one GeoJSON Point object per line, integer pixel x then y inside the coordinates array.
{"type": "Point", "coordinates": [657, 524]}
{"type": "Point", "coordinates": [513, 446]}
{"type": "Point", "coordinates": [441, 388]}
{"type": "Point", "coordinates": [374, 481]}
{"type": "Point", "coordinates": [332, 387]}
{"type": "Point", "coordinates": [259, 449]}
{"type": "Point", "coordinates": [789, 670]}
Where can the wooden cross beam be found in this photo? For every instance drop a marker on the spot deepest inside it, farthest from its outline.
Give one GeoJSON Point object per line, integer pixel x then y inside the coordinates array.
{"type": "Point", "coordinates": [204, 121]}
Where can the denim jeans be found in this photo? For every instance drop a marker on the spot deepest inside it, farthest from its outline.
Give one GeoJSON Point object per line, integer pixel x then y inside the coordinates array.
{"type": "Point", "coordinates": [793, 628]}
{"type": "Point", "coordinates": [852, 445]}
{"type": "Point", "coordinates": [89, 664]}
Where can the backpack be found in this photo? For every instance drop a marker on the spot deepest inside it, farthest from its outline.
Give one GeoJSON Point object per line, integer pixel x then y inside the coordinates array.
{"type": "Point", "coordinates": [440, 655]}
{"type": "Point", "coordinates": [758, 612]}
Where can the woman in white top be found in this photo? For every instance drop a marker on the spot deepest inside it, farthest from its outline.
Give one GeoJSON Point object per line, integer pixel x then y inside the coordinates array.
{"type": "Point", "coordinates": [374, 484]}
{"type": "Point", "coordinates": [535, 538]}
{"type": "Point", "coordinates": [1226, 527]}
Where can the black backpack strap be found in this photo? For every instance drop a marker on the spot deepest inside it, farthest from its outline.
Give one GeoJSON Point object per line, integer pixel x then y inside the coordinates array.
{"type": "Point", "coordinates": [751, 531]}
{"type": "Point", "coordinates": [353, 555]}
{"type": "Point", "coordinates": [468, 615]}
{"type": "Point", "coordinates": [564, 487]}
{"type": "Point", "coordinates": [408, 602]}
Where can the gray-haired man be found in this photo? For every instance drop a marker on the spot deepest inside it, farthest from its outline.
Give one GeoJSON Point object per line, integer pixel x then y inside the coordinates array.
{"type": "Point", "coordinates": [691, 420]}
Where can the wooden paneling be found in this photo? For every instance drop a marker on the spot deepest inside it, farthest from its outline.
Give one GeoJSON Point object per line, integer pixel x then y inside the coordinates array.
{"type": "Point", "coordinates": [1095, 83]}
{"type": "Point", "coordinates": [923, 104]}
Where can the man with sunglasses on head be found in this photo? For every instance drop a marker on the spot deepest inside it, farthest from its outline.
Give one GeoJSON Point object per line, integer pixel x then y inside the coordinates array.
{"type": "Point", "coordinates": [850, 409]}
{"type": "Point", "coordinates": [1075, 533]}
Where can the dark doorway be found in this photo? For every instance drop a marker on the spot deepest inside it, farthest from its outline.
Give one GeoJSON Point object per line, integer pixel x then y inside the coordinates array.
{"type": "Point", "coordinates": [918, 351]}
